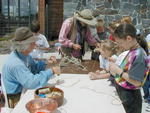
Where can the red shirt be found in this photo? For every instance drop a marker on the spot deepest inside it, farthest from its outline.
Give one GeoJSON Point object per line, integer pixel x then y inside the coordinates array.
{"type": "Point", "coordinates": [111, 37]}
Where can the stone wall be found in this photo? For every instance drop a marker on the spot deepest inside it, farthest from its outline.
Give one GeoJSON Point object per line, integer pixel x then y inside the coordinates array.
{"type": "Point", "coordinates": [69, 7]}
{"type": "Point", "coordinates": [111, 10]}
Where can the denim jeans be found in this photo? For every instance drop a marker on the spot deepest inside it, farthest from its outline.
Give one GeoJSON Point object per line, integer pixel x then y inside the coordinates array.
{"type": "Point", "coordinates": [131, 99]}
{"type": "Point", "coordinates": [146, 89]}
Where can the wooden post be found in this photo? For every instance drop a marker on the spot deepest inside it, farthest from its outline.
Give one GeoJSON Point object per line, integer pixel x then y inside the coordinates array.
{"type": "Point", "coordinates": [19, 12]}
{"type": "Point", "coordinates": [0, 6]}
{"type": "Point", "coordinates": [55, 18]}
{"type": "Point", "coordinates": [29, 2]}
{"type": "Point", "coordinates": [41, 15]}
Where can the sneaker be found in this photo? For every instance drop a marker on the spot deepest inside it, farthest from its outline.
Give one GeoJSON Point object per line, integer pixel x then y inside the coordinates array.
{"type": "Point", "coordinates": [145, 100]}
{"type": "Point", "coordinates": [148, 108]}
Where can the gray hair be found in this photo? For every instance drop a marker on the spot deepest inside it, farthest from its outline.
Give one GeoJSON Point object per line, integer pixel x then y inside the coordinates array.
{"type": "Point", "coordinates": [20, 46]}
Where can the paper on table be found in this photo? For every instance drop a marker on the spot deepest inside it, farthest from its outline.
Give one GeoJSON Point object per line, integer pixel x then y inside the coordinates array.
{"type": "Point", "coordinates": [64, 82]}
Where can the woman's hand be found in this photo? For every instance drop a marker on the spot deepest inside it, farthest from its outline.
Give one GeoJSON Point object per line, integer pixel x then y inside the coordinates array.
{"type": "Point", "coordinates": [52, 60]}
{"type": "Point", "coordinates": [76, 46]}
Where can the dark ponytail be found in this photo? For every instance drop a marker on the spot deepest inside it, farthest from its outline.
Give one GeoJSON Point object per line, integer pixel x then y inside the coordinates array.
{"type": "Point", "coordinates": [141, 40]}
{"type": "Point", "coordinates": [124, 30]}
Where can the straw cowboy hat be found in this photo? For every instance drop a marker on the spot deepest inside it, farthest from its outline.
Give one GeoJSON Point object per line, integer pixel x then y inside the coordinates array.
{"type": "Point", "coordinates": [24, 35]}
{"type": "Point", "coordinates": [86, 17]}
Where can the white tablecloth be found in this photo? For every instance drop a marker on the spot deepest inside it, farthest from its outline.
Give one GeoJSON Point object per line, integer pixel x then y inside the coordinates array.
{"type": "Point", "coordinates": [81, 95]}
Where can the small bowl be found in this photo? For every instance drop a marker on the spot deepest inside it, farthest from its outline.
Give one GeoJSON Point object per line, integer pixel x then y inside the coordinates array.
{"type": "Point", "coordinates": [42, 105]}
{"type": "Point", "coordinates": [59, 98]}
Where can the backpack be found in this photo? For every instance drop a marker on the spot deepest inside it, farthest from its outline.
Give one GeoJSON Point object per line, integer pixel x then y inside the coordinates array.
{"type": "Point", "coordinates": [2, 98]}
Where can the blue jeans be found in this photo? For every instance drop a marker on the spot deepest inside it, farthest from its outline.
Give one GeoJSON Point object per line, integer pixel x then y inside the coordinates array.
{"type": "Point", "coordinates": [146, 89]}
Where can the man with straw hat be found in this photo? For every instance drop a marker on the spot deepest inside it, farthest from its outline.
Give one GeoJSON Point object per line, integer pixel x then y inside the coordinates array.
{"type": "Point", "coordinates": [75, 31]}
{"type": "Point", "coordinates": [20, 70]}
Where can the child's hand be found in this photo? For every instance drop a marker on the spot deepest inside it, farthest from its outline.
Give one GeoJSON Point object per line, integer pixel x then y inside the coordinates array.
{"type": "Point", "coordinates": [97, 72]}
{"type": "Point", "coordinates": [98, 47]}
{"type": "Point", "coordinates": [114, 69]}
{"type": "Point", "coordinates": [103, 72]}
{"type": "Point", "coordinates": [112, 60]}
{"type": "Point", "coordinates": [96, 50]}
{"type": "Point", "coordinates": [92, 76]}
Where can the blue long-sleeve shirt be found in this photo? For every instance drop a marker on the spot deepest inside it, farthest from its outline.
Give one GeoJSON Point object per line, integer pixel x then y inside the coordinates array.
{"type": "Point", "coordinates": [24, 72]}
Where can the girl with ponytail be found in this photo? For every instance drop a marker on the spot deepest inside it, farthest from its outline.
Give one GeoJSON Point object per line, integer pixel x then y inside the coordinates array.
{"type": "Point", "coordinates": [131, 74]}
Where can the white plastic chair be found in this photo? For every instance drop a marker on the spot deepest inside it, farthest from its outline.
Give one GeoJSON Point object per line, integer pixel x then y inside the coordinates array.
{"type": "Point", "coordinates": [23, 92]}
{"type": "Point", "coordinates": [4, 92]}
{"type": "Point", "coordinates": [6, 108]}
